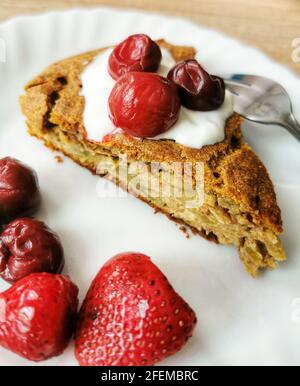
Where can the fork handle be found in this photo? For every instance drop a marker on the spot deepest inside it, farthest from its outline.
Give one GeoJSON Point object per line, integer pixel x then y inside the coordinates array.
{"type": "Point", "coordinates": [293, 126]}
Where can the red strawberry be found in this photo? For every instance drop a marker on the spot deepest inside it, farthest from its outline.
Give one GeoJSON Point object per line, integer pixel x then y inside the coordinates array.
{"type": "Point", "coordinates": [37, 316]}
{"type": "Point", "coordinates": [131, 316]}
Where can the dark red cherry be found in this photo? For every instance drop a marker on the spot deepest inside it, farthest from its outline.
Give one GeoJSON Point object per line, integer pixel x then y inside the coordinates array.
{"type": "Point", "coordinates": [144, 104]}
{"type": "Point", "coordinates": [136, 53]}
{"type": "Point", "coordinates": [19, 190]}
{"type": "Point", "coordinates": [197, 89]}
{"type": "Point", "coordinates": [28, 246]}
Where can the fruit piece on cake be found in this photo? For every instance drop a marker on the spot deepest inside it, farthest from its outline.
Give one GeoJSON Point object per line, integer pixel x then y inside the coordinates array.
{"type": "Point", "coordinates": [107, 107]}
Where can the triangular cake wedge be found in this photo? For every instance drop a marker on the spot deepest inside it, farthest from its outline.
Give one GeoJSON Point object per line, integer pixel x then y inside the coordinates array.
{"type": "Point", "coordinates": [240, 205]}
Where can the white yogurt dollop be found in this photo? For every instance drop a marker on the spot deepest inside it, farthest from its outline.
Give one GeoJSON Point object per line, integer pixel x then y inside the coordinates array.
{"type": "Point", "coordinates": [193, 129]}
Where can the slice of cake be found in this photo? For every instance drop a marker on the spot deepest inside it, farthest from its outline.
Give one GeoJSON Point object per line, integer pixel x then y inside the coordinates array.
{"type": "Point", "coordinates": [239, 205]}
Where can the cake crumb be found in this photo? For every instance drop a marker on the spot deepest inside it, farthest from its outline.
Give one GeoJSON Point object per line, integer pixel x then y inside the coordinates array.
{"type": "Point", "coordinates": [185, 231]}
{"type": "Point", "coordinates": [59, 159]}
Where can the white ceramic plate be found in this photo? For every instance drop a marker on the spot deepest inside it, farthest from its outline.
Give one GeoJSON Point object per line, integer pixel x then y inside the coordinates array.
{"type": "Point", "coordinates": [241, 320]}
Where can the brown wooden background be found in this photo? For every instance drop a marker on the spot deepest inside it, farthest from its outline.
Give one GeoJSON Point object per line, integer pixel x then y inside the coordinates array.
{"type": "Point", "coordinates": [271, 25]}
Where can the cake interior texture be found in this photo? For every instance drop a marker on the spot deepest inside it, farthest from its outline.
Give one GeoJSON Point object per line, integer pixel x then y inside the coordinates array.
{"type": "Point", "coordinates": [239, 203]}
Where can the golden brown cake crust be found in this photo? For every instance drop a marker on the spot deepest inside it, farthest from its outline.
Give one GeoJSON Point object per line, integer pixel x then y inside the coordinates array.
{"type": "Point", "coordinates": [246, 179]}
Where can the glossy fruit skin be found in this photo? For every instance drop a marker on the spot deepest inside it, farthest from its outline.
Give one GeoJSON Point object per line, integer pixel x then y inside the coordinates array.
{"type": "Point", "coordinates": [19, 190]}
{"type": "Point", "coordinates": [131, 316]}
{"type": "Point", "coordinates": [136, 53]}
{"type": "Point", "coordinates": [38, 315]}
{"type": "Point", "coordinates": [28, 246]}
{"type": "Point", "coordinates": [197, 89]}
{"type": "Point", "coordinates": [144, 104]}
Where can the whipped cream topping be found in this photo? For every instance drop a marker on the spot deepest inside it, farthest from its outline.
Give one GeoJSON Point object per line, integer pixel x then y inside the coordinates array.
{"type": "Point", "coordinates": [193, 129]}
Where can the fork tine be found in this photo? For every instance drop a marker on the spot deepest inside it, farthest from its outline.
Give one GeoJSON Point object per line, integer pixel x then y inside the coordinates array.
{"type": "Point", "coordinates": [239, 78]}
{"type": "Point", "coordinates": [234, 88]}
{"type": "Point", "coordinates": [249, 80]}
{"type": "Point", "coordinates": [253, 80]}
{"type": "Point", "coordinates": [243, 90]}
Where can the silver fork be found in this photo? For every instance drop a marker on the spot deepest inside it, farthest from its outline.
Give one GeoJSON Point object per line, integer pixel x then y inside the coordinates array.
{"type": "Point", "coordinates": [262, 100]}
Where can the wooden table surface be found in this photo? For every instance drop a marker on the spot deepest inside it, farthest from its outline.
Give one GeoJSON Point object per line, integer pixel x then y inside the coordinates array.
{"type": "Point", "coordinates": [272, 25]}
